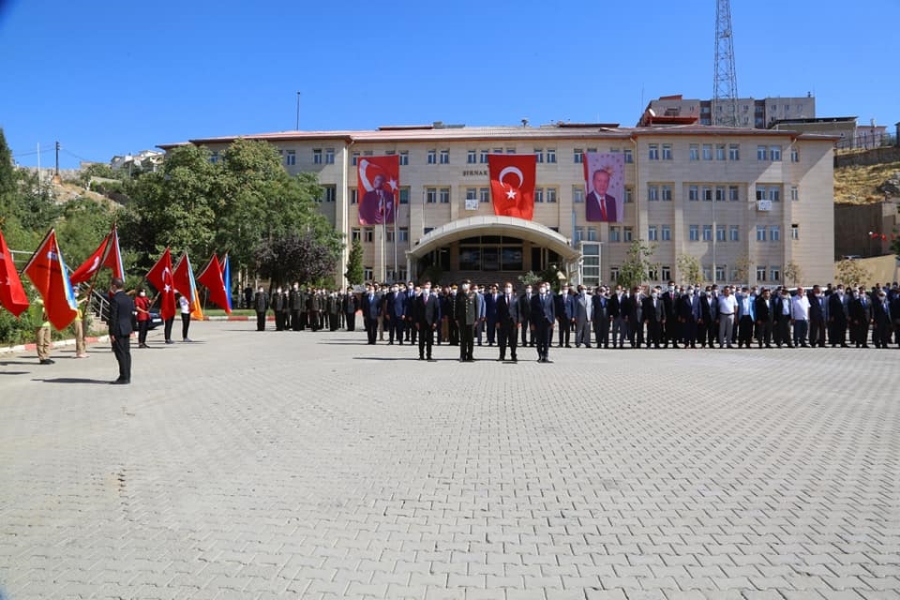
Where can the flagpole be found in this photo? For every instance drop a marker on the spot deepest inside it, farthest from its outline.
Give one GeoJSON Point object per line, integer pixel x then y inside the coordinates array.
{"type": "Point", "coordinates": [396, 237]}
{"type": "Point", "coordinates": [90, 293]}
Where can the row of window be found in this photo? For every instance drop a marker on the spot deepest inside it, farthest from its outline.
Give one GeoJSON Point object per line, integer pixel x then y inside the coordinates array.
{"type": "Point", "coordinates": [763, 273]}
{"type": "Point", "coordinates": [367, 234]}
{"type": "Point", "coordinates": [696, 233]}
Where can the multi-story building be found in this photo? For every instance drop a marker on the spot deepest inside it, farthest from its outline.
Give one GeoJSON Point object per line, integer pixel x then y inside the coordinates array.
{"type": "Point", "coordinates": [757, 114]}
{"type": "Point", "coordinates": [745, 202]}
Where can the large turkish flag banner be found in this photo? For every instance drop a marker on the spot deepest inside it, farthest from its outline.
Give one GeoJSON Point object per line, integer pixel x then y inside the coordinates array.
{"type": "Point", "coordinates": [378, 188]}
{"type": "Point", "coordinates": [512, 184]}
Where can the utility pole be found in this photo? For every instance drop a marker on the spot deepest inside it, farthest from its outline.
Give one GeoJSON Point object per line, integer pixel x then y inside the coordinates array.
{"type": "Point", "coordinates": [725, 94]}
{"type": "Point", "coordinates": [56, 177]}
{"type": "Point", "coordinates": [298, 112]}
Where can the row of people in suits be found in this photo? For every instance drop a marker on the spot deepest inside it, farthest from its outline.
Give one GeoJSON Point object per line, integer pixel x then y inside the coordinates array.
{"type": "Point", "coordinates": [298, 308]}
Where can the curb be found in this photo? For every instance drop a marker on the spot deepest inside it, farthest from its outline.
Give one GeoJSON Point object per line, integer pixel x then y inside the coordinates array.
{"type": "Point", "coordinates": [57, 344]}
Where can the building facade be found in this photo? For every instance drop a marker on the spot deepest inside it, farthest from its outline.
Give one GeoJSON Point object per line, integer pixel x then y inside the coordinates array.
{"type": "Point", "coordinates": [753, 113]}
{"type": "Point", "coordinates": [746, 203]}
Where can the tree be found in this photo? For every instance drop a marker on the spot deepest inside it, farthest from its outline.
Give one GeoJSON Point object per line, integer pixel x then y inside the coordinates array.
{"type": "Point", "coordinates": [793, 273]}
{"type": "Point", "coordinates": [634, 271]}
{"type": "Point", "coordinates": [852, 273]}
{"type": "Point", "coordinates": [689, 268]}
{"type": "Point", "coordinates": [355, 273]}
{"type": "Point", "coordinates": [742, 269]}
{"type": "Point", "coordinates": [292, 257]}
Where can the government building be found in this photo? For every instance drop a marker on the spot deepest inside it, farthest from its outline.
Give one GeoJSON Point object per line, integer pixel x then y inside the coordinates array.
{"type": "Point", "coordinates": [747, 203]}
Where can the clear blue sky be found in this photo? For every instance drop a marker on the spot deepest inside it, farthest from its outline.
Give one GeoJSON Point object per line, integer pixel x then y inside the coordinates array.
{"type": "Point", "coordinates": [109, 78]}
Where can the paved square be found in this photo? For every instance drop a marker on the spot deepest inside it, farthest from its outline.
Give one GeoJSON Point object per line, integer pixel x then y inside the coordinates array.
{"type": "Point", "coordinates": [273, 465]}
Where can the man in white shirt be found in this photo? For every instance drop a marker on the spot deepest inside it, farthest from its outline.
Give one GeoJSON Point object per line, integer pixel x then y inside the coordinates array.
{"type": "Point", "coordinates": [727, 309]}
{"type": "Point", "coordinates": [800, 317]}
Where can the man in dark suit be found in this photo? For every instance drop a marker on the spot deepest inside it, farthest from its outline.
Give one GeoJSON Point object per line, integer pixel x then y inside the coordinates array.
{"type": "Point", "coordinates": [818, 316]}
{"type": "Point", "coordinates": [377, 204]}
{"type": "Point", "coordinates": [427, 317]}
{"type": "Point", "coordinates": [746, 316]}
{"type": "Point", "coordinates": [765, 318]}
{"type": "Point", "coordinates": [600, 317]}
{"type": "Point", "coordinates": [467, 311]}
{"type": "Point", "coordinates": [490, 313]}
{"type": "Point", "coordinates": [543, 315]}
{"type": "Point", "coordinates": [261, 304]}
{"type": "Point", "coordinates": [653, 313]}
{"type": "Point", "coordinates": [508, 321]}
{"type": "Point", "coordinates": [525, 315]}
{"type": "Point", "coordinates": [564, 312]}
{"type": "Point", "coordinates": [617, 317]}
{"type": "Point", "coordinates": [371, 308]}
{"type": "Point", "coordinates": [783, 318]}
{"type": "Point", "coordinates": [861, 317]}
{"type": "Point", "coordinates": [278, 307]}
{"type": "Point", "coordinates": [121, 307]}
{"type": "Point", "coordinates": [837, 318]}
{"type": "Point", "coordinates": [881, 316]}
{"type": "Point", "coordinates": [706, 311]}
{"type": "Point", "coordinates": [395, 313]}
{"type": "Point", "coordinates": [350, 305]}
{"type": "Point", "coordinates": [689, 312]}
{"type": "Point", "coordinates": [600, 206]}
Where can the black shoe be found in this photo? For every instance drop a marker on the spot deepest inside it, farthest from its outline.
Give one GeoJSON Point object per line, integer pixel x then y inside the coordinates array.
{"type": "Point", "coordinates": [120, 382]}
{"type": "Point", "coordinates": [568, 346]}
{"type": "Point", "coordinates": [514, 359]}
{"type": "Point", "coordinates": [421, 358]}
{"type": "Point", "coordinates": [46, 361]}
{"type": "Point", "coordinates": [548, 361]}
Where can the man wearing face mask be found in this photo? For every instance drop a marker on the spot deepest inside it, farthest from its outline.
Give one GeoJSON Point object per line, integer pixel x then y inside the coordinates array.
{"type": "Point", "coordinates": [689, 314]}
{"type": "Point", "coordinates": [818, 317]}
{"type": "Point", "coordinates": [765, 312]}
{"type": "Point", "coordinates": [837, 318]}
{"type": "Point", "coordinates": [670, 327]}
{"type": "Point", "coordinates": [508, 321]}
{"type": "Point", "coordinates": [783, 318]}
{"type": "Point", "coordinates": [467, 311]}
{"type": "Point", "coordinates": [543, 315]}
{"type": "Point", "coordinates": [881, 317]}
{"type": "Point", "coordinates": [653, 313]}
{"type": "Point", "coordinates": [600, 316]}
{"type": "Point", "coordinates": [427, 316]}
{"type": "Point", "coordinates": [411, 294]}
{"type": "Point", "coordinates": [142, 306]}
{"type": "Point", "coordinates": [261, 305]}
{"type": "Point", "coordinates": [581, 318]}
{"type": "Point", "coordinates": [861, 318]}
{"type": "Point", "coordinates": [371, 310]}
{"type": "Point", "coordinates": [564, 312]}
{"type": "Point", "coordinates": [617, 314]}
{"type": "Point", "coordinates": [394, 314]}
{"type": "Point", "coordinates": [525, 315]}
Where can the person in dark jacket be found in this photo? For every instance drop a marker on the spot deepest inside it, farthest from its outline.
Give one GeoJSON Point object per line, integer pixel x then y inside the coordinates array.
{"type": "Point", "coordinates": [121, 307]}
{"type": "Point", "coordinates": [261, 305]}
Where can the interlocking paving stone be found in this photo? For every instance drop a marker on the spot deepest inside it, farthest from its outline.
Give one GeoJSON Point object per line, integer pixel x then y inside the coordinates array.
{"type": "Point", "coordinates": [266, 465]}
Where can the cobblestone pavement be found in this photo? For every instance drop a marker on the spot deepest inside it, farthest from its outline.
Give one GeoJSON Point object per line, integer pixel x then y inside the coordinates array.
{"type": "Point", "coordinates": [282, 465]}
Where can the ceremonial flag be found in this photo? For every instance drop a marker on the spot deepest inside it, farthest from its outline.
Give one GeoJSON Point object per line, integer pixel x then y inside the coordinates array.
{"type": "Point", "coordinates": [183, 276]}
{"type": "Point", "coordinates": [211, 277]}
{"type": "Point", "coordinates": [12, 294]}
{"type": "Point", "coordinates": [512, 184]}
{"type": "Point", "coordinates": [604, 179]}
{"type": "Point", "coordinates": [47, 271]}
{"type": "Point", "coordinates": [107, 254]}
{"type": "Point", "coordinates": [160, 276]}
{"type": "Point", "coordinates": [225, 263]}
{"type": "Point", "coordinates": [378, 183]}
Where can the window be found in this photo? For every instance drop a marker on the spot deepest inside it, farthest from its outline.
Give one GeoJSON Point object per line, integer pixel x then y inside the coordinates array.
{"type": "Point", "coordinates": [795, 155]}
{"type": "Point", "coordinates": [214, 157]}
{"type": "Point", "coordinates": [329, 193]}
{"type": "Point", "coordinates": [445, 157]}
{"type": "Point", "coordinates": [707, 233]}
{"type": "Point", "coordinates": [539, 155]}
{"type": "Point", "coordinates": [707, 152]}
{"type": "Point", "coordinates": [795, 193]}
{"type": "Point", "coordinates": [762, 153]}
{"type": "Point", "coordinates": [369, 234]}
{"type": "Point", "coordinates": [652, 275]}
{"type": "Point", "coordinates": [354, 199]}
{"type": "Point", "coordinates": [653, 233]}
{"type": "Point", "coordinates": [693, 193]}
{"type": "Point", "coordinates": [627, 234]}
{"type": "Point", "coordinates": [368, 152]}
{"type": "Point", "coordinates": [510, 150]}
{"type": "Point", "coordinates": [614, 274]}
{"type": "Point", "coordinates": [734, 233]}
{"type": "Point", "coordinates": [355, 234]}
{"type": "Point", "coordinates": [734, 152]}
{"type": "Point", "coordinates": [720, 233]}
{"type": "Point", "coordinates": [734, 274]}
{"type": "Point", "coordinates": [432, 157]}
{"type": "Point", "coordinates": [578, 194]}
{"type": "Point", "coordinates": [707, 274]}
{"type": "Point", "coordinates": [427, 230]}
{"type": "Point", "coordinates": [720, 193]}
{"type": "Point", "coordinates": [484, 195]}
{"type": "Point", "coordinates": [760, 233]}
{"type": "Point", "coordinates": [389, 153]}
{"type": "Point", "coordinates": [551, 155]}
{"type": "Point", "coordinates": [707, 194]}
{"type": "Point", "coordinates": [720, 273]}
{"type": "Point", "coordinates": [404, 158]}
{"type": "Point", "coordinates": [579, 234]}
{"type": "Point", "coordinates": [291, 158]}
{"type": "Point", "coordinates": [629, 195]}
{"type": "Point", "coordinates": [629, 156]}
{"type": "Point", "coordinates": [430, 195]}
{"type": "Point", "coordinates": [444, 195]}
{"type": "Point", "coordinates": [760, 273]}
{"type": "Point", "coordinates": [403, 233]}
{"type": "Point", "coordinates": [720, 151]}
{"type": "Point", "coordinates": [614, 234]}
{"type": "Point", "coordinates": [471, 193]}
{"type": "Point", "coordinates": [774, 274]}
{"type": "Point", "coordinates": [498, 151]}
{"type": "Point", "coordinates": [795, 231]}
{"type": "Point", "coordinates": [354, 158]}
{"type": "Point", "coordinates": [329, 156]}
{"type": "Point", "coordinates": [368, 273]}
{"type": "Point", "coordinates": [578, 156]}
{"type": "Point", "coordinates": [551, 195]}
{"type": "Point", "coordinates": [666, 191]}
{"type": "Point", "coordinates": [592, 234]}
{"type": "Point", "coordinates": [404, 195]}
{"type": "Point", "coordinates": [695, 152]}
{"type": "Point", "coordinates": [775, 153]}
{"type": "Point", "coordinates": [539, 195]}
{"type": "Point", "coordinates": [666, 233]}
{"type": "Point", "coordinates": [775, 193]}
{"type": "Point", "coordinates": [734, 193]}
{"type": "Point", "coordinates": [389, 234]}
{"type": "Point", "coordinates": [652, 193]}
{"type": "Point", "coordinates": [594, 150]}
{"type": "Point", "coordinates": [653, 152]}
{"type": "Point", "coordinates": [666, 274]}
{"type": "Point", "coordinates": [317, 156]}
{"type": "Point", "coordinates": [694, 233]}
{"type": "Point", "coordinates": [471, 157]}
{"type": "Point", "coordinates": [667, 151]}
{"type": "Point", "coordinates": [483, 157]}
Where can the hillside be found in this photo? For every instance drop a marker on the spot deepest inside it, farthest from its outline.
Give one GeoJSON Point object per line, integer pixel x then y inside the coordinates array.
{"type": "Point", "coordinates": [858, 184]}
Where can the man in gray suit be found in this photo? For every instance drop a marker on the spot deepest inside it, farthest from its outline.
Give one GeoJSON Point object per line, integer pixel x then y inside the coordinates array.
{"type": "Point", "coordinates": [581, 320]}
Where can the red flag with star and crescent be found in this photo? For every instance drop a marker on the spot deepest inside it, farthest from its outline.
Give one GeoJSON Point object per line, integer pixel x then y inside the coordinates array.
{"type": "Point", "coordinates": [12, 294]}
{"type": "Point", "coordinates": [512, 184]}
{"type": "Point", "coordinates": [47, 271]}
{"type": "Point", "coordinates": [107, 254]}
{"type": "Point", "coordinates": [212, 278]}
{"type": "Point", "coordinates": [160, 276]}
{"type": "Point", "coordinates": [378, 188]}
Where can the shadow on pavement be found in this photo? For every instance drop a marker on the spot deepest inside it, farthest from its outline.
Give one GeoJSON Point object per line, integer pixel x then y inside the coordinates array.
{"type": "Point", "coordinates": [14, 372]}
{"type": "Point", "coordinates": [4, 363]}
{"type": "Point", "coordinates": [73, 380]}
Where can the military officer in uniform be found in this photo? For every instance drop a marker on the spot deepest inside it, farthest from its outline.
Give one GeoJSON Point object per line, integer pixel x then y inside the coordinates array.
{"type": "Point", "coordinates": [468, 309]}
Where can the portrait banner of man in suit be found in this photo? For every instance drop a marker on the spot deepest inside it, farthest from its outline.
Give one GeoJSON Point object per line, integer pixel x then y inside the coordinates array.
{"type": "Point", "coordinates": [378, 187]}
{"type": "Point", "coordinates": [604, 175]}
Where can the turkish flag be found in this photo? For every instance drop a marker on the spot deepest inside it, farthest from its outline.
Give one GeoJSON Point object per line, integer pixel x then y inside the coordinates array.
{"type": "Point", "coordinates": [211, 277]}
{"type": "Point", "coordinates": [184, 277]}
{"type": "Point", "coordinates": [47, 271]}
{"type": "Point", "coordinates": [107, 254]}
{"type": "Point", "coordinates": [160, 276]}
{"type": "Point", "coordinates": [113, 256]}
{"type": "Point", "coordinates": [512, 184]}
{"type": "Point", "coordinates": [12, 294]}
{"type": "Point", "coordinates": [378, 185]}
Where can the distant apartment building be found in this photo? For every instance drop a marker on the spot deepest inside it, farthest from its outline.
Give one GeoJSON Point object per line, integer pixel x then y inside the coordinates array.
{"type": "Point", "coordinates": [148, 160]}
{"type": "Point", "coordinates": [751, 113]}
